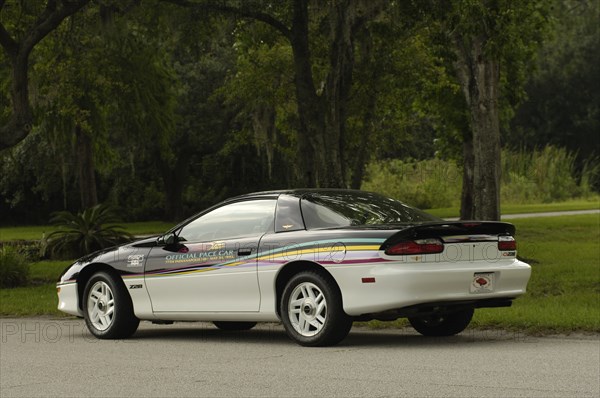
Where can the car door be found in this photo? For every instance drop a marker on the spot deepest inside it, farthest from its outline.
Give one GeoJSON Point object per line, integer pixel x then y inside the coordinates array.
{"type": "Point", "coordinates": [212, 265]}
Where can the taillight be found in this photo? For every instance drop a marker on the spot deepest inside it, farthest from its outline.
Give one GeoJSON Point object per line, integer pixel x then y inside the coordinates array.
{"type": "Point", "coordinates": [507, 243]}
{"type": "Point", "coordinates": [419, 246]}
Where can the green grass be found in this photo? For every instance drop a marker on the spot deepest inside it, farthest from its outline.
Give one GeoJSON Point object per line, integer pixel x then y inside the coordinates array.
{"type": "Point", "coordinates": [578, 204]}
{"type": "Point", "coordinates": [28, 301]}
{"type": "Point", "coordinates": [24, 233]}
{"type": "Point", "coordinates": [47, 271]}
{"type": "Point", "coordinates": [38, 299]}
{"type": "Point", "coordinates": [563, 293]}
{"type": "Point", "coordinates": [37, 232]}
{"type": "Point", "coordinates": [564, 290]}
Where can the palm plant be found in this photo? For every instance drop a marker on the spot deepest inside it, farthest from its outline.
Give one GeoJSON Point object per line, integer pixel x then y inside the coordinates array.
{"type": "Point", "coordinates": [83, 233]}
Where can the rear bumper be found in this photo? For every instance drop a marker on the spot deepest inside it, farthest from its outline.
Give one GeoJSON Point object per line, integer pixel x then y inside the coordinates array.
{"type": "Point", "coordinates": [399, 285]}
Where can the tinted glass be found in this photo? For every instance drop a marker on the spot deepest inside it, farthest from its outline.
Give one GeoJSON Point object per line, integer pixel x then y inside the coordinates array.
{"type": "Point", "coordinates": [342, 209]}
{"type": "Point", "coordinates": [288, 216]}
{"type": "Point", "coordinates": [236, 220]}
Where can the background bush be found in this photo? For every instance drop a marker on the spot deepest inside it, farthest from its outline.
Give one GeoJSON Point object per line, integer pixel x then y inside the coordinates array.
{"type": "Point", "coordinates": [546, 175]}
{"type": "Point", "coordinates": [14, 267]}
{"type": "Point", "coordinates": [425, 184]}
{"type": "Point", "coordinates": [542, 176]}
{"type": "Point", "coordinates": [83, 233]}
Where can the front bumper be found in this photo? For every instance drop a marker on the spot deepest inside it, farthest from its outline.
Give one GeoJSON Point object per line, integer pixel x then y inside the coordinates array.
{"type": "Point", "coordinates": [68, 298]}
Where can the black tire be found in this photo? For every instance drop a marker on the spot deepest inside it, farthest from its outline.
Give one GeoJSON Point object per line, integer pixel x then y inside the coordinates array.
{"type": "Point", "coordinates": [444, 324]}
{"type": "Point", "coordinates": [232, 326]}
{"type": "Point", "coordinates": [103, 319]}
{"type": "Point", "coordinates": [314, 323]}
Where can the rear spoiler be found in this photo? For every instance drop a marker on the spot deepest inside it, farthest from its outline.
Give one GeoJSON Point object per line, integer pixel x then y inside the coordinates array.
{"type": "Point", "coordinates": [450, 228]}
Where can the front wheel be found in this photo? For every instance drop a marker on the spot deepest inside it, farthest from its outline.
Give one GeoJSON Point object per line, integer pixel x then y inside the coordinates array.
{"type": "Point", "coordinates": [445, 324]}
{"type": "Point", "coordinates": [107, 307]}
{"type": "Point", "coordinates": [311, 310]}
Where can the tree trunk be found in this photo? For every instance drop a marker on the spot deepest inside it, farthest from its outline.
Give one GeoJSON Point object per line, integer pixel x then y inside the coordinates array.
{"type": "Point", "coordinates": [466, 202]}
{"type": "Point", "coordinates": [320, 151]}
{"type": "Point", "coordinates": [479, 78]}
{"type": "Point", "coordinates": [86, 170]}
{"type": "Point", "coordinates": [21, 119]}
{"type": "Point", "coordinates": [339, 81]}
{"type": "Point", "coordinates": [19, 125]}
{"type": "Point", "coordinates": [310, 145]}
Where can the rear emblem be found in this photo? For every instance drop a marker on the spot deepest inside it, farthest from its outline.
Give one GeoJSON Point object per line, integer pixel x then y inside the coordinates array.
{"type": "Point", "coordinates": [481, 281]}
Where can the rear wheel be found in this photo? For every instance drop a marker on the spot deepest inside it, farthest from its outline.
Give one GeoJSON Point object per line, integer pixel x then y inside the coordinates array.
{"type": "Point", "coordinates": [234, 325]}
{"type": "Point", "coordinates": [445, 324]}
{"type": "Point", "coordinates": [107, 307]}
{"type": "Point", "coordinates": [311, 310]}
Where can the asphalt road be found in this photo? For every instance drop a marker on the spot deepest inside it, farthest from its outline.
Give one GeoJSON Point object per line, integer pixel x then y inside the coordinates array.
{"type": "Point", "coordinates": [58, 357]}
{"type": "Point", "coordinates": [543, 214]}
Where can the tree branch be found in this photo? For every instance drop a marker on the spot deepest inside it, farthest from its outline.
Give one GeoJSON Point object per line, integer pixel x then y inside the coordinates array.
{"type": "Point", "coordinates": [242, 12]}
{"type": "Point", "coordinates": [49, 20]}
{"type": "Point", "coordinates": [8, 43]}
{"type": "Point", "coordinates": [19, 124]}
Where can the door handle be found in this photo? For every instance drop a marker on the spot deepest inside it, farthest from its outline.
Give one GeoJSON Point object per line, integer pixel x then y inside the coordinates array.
{"type": "Point", "coordinates": [244, 252]}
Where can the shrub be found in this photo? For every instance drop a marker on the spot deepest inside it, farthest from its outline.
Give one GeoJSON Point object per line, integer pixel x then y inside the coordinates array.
{"type": "Point", "coordinates": [540, 176]}
{"type": "Point", "coordinates": [546, 175]}
{"type": "Point", "coordinates": [83, 233]}
{"type": "Point", "coordinates": [425, 184]}
{"type": "Point", "coordinates": [14, 268]}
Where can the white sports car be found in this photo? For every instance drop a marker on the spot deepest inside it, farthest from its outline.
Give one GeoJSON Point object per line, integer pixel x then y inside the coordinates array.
{"type": "Point", "coordinates": [316, 260]}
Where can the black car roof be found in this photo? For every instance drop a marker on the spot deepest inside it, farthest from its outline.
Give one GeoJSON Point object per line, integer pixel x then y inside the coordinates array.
{"type": "Point", "coordinates": [294, 192]}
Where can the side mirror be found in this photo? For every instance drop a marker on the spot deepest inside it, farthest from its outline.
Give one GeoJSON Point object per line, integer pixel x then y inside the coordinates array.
{"type": "Point", "coordinates": [168, 239]}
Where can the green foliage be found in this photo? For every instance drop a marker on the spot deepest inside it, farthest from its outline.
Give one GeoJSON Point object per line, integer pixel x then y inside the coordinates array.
{"type": "Point", "coordinates": [83, 233]}
{"type": "Point", "coordinates": [14, 268]}
{"type": "Point", "coordinates": [425, 184]}
{"type": "Point", "coordinates": [185, 107]}
{"type": "Point", "coordinates": [563, 105]}
{"type": "Point", "coordinates": [547, 175]}
{"type": "Point", "coordinates": [544, 176]}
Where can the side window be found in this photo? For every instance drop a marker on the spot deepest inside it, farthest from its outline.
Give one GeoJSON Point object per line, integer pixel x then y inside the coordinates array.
{"type": "Point", "coordinates": [288, 214]}
{"type": "Point", "coordinates": [236, 220]}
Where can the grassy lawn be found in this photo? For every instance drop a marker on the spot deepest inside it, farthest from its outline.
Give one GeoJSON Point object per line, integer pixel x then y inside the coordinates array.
{"type": "Point", "coordinates": [579, 204]}
{"type": "Point", "coordinates": [563, 294]}
{"type": "Point", "coordinates": [157, 227]}
{"type": "Point", "coordinates": [38, 299]}
{"type": "Point", "coordinates": [564, 291]}
{"type": "Point", "coordinates": [36, 232]}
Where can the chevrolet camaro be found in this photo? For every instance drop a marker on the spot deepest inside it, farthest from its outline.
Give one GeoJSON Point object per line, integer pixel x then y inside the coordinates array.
{"type": "Point", "coordinates": [315, 260]}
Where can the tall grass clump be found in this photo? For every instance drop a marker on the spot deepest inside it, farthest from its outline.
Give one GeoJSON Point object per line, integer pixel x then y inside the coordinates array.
{"type": "Point", "coordinates": [425, 184]}
{"type": "Point", "coordinates": [540, 176]}
{"type": "Point", "coordinates": [543, 176]}
{"type": "Point", "coordinates": [83, 233]}
{"type": "Point", "coordinates": [14, 268]}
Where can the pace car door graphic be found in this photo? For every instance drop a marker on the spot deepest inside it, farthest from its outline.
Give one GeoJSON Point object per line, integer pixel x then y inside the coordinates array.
{"type": "Point", "coordinates": [204, 276]}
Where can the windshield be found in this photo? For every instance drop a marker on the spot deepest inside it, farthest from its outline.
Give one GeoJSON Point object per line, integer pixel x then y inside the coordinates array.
{"type": "Point", "coordinates": [344, 208]}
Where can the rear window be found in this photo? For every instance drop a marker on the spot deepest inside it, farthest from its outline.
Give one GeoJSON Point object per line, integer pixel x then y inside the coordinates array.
{"type": "Point", "coordinates": [343, 209]}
